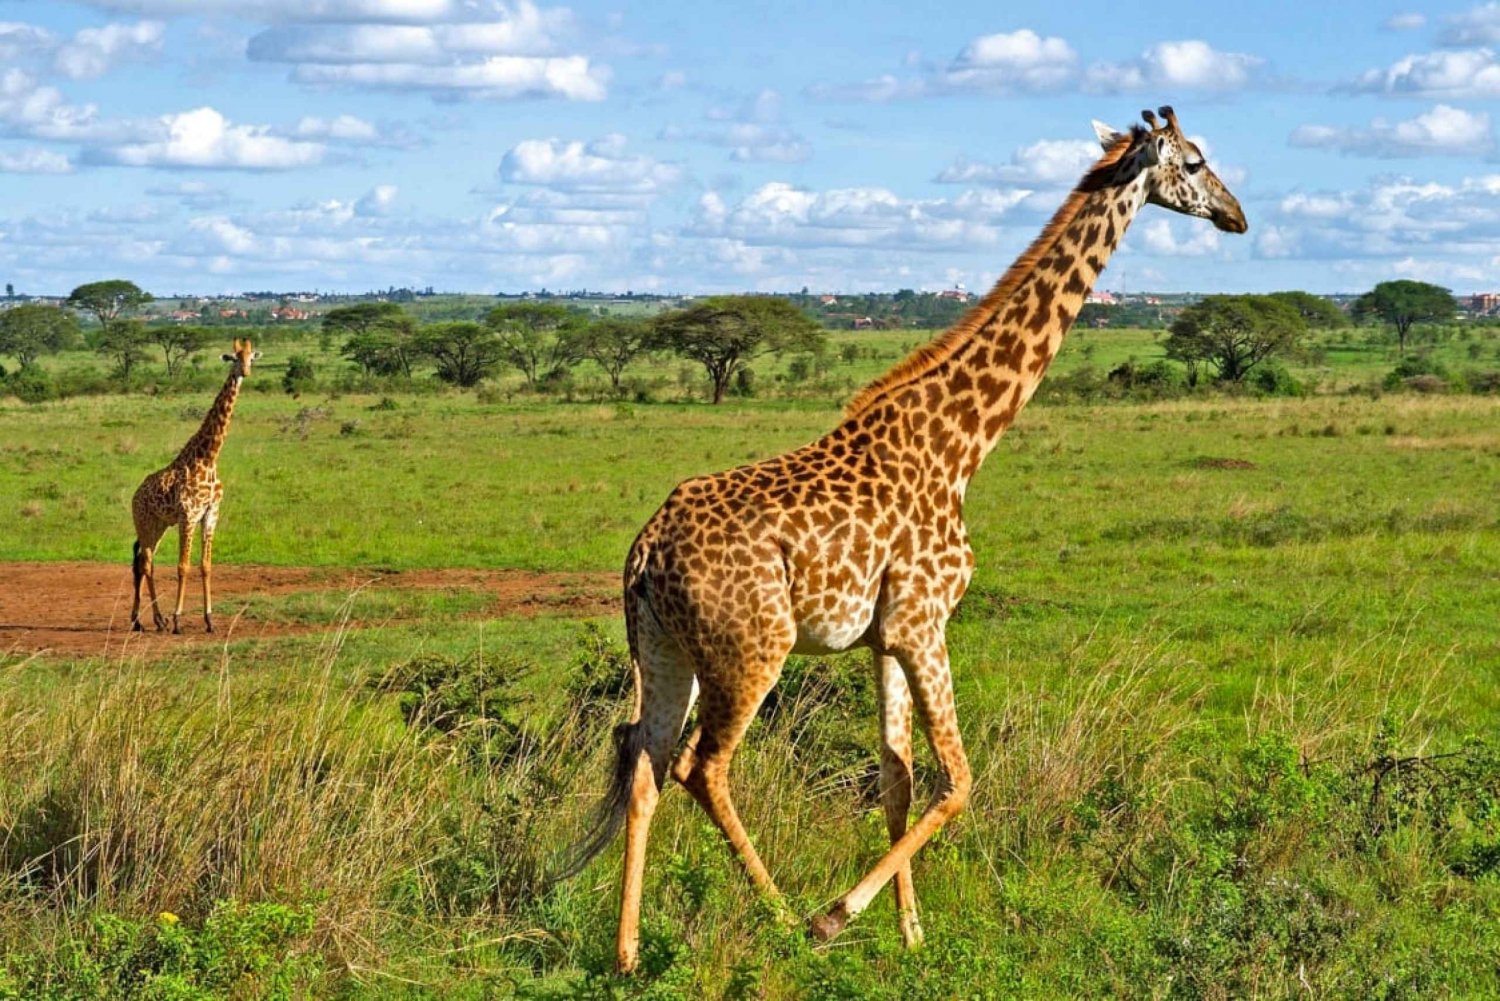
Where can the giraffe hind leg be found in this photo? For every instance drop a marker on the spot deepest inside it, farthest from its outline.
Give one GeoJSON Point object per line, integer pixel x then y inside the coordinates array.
{"type": "Point", "coordinates": [666, 690]}
{"type": "Point", "coordinates": [703, 769]}
{"type": "Point", "coordinates": [138, 575]}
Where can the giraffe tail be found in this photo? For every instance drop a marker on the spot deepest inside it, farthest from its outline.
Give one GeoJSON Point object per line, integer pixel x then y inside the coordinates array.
{"type": "Point", "coordinates": [630, 741]}
{"type": "Point", "coordinates": [609, 817]}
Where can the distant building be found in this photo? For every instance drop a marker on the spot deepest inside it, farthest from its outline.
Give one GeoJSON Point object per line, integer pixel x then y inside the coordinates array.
{"type": "Point", "coordinates": [289, 314]}
{"type": "Point", "coordinates": [1102, 298]}
{"type": "Point", "coordinates": [956, 294]}
{"type": "Point", "coordinates": [1485, 303]}
{"type": "Point", "coordinates": [863, 323]}
{"type": "Point", "coordinates": [828, 300]}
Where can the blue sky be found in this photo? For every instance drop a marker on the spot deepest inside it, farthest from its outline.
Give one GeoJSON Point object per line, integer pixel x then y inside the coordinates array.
{"type": "Point", "coordinates": [221, 145]}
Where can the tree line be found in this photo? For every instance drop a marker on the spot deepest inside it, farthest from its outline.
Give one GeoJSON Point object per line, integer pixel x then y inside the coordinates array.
{"type": "Point", "coordinates": [1234, 334]}
{"type": "Point", "coordinates": [1226, 337]}
{"type": "Point", "coordinates": [545, 341]}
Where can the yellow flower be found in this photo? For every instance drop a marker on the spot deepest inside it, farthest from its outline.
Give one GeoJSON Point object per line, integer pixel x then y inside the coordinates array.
{"type": "Point", "coordinates": [167, 918]}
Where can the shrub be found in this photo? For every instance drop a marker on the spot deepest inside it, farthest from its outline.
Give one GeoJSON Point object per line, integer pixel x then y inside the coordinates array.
{"type": "Point", "coordinates": [1272, 379]}
{"type": "Point", "coordinates": [29, 385]}
{"type": "Point", "coordinates": [298, 377]}
{"type": "Point", "coordinates": [1412, 366]}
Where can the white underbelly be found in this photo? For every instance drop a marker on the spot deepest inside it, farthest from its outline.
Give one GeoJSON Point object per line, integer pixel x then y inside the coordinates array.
{"type": "Point", "coordinates": [830, 634]}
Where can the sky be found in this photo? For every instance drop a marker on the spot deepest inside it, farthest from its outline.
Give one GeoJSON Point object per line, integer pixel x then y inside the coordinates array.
{"type": "Point", "coordinates": [212, 146]}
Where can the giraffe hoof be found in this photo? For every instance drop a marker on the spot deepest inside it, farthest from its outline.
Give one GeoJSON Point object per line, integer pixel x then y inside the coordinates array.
{"type": "Point", "coordinates": [208, 624]}
{"type": "Point", "coordinates": [136, 626]}
{"type": "Point", "coordinates": [826, 926]}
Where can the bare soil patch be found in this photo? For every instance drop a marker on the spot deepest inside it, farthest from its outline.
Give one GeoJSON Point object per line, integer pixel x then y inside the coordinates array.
{"type": "Point", "coordinates": [83, 609]}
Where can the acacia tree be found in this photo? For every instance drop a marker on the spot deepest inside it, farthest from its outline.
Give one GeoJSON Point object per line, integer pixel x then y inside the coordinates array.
{"type": "Point", "coordinates": [124, 340]}
{"type": "Point", "coordinates": [1316, 311]}
{"type": "Point", "coordinates": [178, 344]}
{"type": "Point", "coordinates": [725, 333]}
{"type": "Point", "coordinates": [1234, 333]}
{"type": "Point", "coordinates": [30, 331]}
{"type": "Point", "coordinates": [108, 300]}
{"type": "Point", "coordinates": [378, 336]}
{"type": "Point", "coordinates": [615, 342]}
{"type": "Point", "coordinates": [465, 352]}
{"type": "Point", "coordinates": [537, 338]}
{"type": "Point", "coordinates": [1403, 303]}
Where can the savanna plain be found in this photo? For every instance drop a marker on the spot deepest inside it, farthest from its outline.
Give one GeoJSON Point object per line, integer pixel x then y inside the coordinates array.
{"type": "Point", "coordinates": [1228, 674]}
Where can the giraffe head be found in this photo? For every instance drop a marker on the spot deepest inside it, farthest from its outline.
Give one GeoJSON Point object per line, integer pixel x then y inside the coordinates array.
{"type": "Point", "coordinates": [1177, 177]}
{"type": "Point", "coordinates": [242, 357]}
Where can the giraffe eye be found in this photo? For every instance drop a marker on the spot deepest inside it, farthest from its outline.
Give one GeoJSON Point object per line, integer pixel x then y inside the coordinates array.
{"type": "Point", "coordinates": [1193, 166]}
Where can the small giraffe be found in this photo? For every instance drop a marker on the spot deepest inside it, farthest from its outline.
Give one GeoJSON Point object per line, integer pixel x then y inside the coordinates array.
{"type": "Point", "coordinates": [186, 494]}
{"type": "Point", "coordinates": [858, 539]}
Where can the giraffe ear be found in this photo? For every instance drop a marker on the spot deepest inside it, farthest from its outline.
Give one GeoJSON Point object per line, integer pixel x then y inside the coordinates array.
{"type": "Point", "coordinates": [226, 357]}
{"type": "Point", "coordinates": [254, 355]}
{"type": "Point", "coordinates": [1107, 135]}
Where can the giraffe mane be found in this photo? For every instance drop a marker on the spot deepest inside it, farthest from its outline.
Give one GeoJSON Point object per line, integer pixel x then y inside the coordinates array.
{"type": "Point", "coordinates": [932, 354]}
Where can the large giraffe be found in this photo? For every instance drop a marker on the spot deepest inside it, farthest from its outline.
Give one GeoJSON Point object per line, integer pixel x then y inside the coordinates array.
{"type": "Point", "coordinates": [858, 539]}
{"type": "Point", "coordinates": [186, 494]}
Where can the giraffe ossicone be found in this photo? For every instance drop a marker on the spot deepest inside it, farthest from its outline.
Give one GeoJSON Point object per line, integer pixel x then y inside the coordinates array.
{"type": "Point", "coordinates": [858, 539]}
{"type": "Point", "coordinates": [186, 493]}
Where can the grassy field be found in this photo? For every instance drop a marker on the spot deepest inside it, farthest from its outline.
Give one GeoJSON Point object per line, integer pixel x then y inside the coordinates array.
{"type": "Point", "coordinates": [1229, 675]}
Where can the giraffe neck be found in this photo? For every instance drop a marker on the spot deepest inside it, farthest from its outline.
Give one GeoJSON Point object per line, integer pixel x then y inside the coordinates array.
{"type": "Point", "coordinates": [979, 375]}
{"type": "Point", "coordinates": [203, 446]}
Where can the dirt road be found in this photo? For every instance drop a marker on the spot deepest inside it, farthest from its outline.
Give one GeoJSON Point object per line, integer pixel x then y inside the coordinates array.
{"type": "Point", "coordinates": [83, 609]}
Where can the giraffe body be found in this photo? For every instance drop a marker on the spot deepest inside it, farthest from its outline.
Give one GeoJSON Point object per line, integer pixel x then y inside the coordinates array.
{"type": "Point", "coordinates": [186, 494]}
{"type": "Point", "coordinates": [858, 539]}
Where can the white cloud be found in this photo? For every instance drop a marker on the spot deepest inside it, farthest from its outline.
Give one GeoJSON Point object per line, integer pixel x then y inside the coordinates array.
{"type": "Point", "coordinates": [1365, 232]}
{"type": "Point", "coordinates": [572, 77]}
{"type": "Point", "coordinates": [492, 50]}
{"type": "Point", "coordinates": [781, 214]}
{"type": "Point", "coordinates": [384, 11]}
{"type": "Point", "coordinates": [30, 109]}
{"type": "Point", "coordinates": [602, 165]}
{"type": "Point", "coordinates": [94, 51]}
{"type": "Point", "coordinates": [1050, 162]}
{"type": "Point", "coordinates": [18, 40]}
{"type": "Point", "coordinates": [342, 128]}
{"type": "Point", "coordinates": [1160, 237]}
{"type": "Point", "coordinates": [377, 201]}
{"type": "Point", "coordinates": [1014, 62]}
{"type": "Point", "coordinates": [1409, 21]}
{"type": "Point", "coordinates": [1477, 26]}
{"type": "Point", "coordinates": [1023, 62]}
{"type": "Point", "coordinates": [751, 132]}
{"type": "Point", "coordinates": [1442, 130]}
{"type": "Point", "coordinates": [204, 138]}
{"type": "Point", "coordinates": [34, 161]}
{"type": "Point", "coordinates": [1458, 75]}
{"type": "Point", "coordinates": [194, 194]}
{"type": "Point", "coordinates": [527, 31]}
{"type": "Point", "coordinates": [1192, 64]}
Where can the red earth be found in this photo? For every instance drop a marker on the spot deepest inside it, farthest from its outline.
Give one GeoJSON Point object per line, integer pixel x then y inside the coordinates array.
{"type": "Point", "coordinates": [83, 609]}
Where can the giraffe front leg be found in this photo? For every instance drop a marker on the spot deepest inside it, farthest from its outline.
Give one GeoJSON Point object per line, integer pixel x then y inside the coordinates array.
{"type": "Point", "coordinates": [895, 783]}
{"type": "Point", "coordinates": [206, 567]}
{"type": "Point", "coordinates": [148, 554]}
{"type": "Point", "coordinates": [924, 659]}
{"type": "Point", "coordinates": [185, 532]}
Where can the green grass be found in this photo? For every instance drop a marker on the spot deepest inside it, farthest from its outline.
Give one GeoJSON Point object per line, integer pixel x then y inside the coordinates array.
{"type": "Point", "coordinates": [1198, 632]}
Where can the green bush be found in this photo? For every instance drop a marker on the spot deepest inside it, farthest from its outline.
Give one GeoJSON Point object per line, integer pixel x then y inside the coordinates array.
{"type": "Point", "coordinates": [1412, 366]}
{"type": "Point", "coordinates": [298, 377]}
{"type": "Point", "coordinates": [259, 950]}
{"type": "Point", "coordinates": [1271, 378]}
{"type": "Point", "coordinates": [29, 385]}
